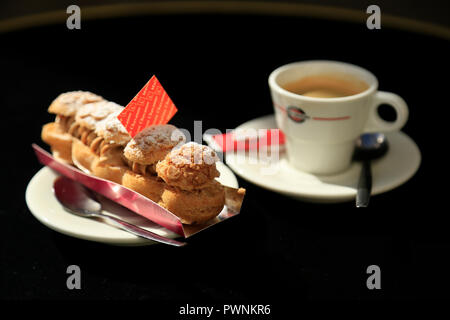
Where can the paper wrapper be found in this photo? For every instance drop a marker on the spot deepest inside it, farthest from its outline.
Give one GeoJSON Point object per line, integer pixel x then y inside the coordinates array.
{"type": "Point", "coordinates": [245, 139]}
{"type": "Point", "coordinates": [137, 202]}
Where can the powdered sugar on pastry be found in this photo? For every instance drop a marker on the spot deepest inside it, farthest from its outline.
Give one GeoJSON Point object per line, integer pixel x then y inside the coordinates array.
{"type": "Point", "coordinates": [156, 137]}
{"type": "Point", "coordinates": [153, 143]}
{"type": "Point", "coordinates": [91, 114]}
{"type": "Point", "coordinates": [112, 130]}
{"type": "Point", "coordinates": [193, 153]}
{"type": "Point", "coordinates": [190, 167]}
{"type": "Point", "coordinates": [68, 103]}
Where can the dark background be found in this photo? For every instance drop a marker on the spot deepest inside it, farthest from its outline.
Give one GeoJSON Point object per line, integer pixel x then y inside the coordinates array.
{"type": "Point", "coordinates": [277, 251]}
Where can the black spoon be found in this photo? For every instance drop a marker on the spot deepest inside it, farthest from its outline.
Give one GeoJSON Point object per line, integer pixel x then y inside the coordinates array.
{"type": "Point", "coordinates": [369, 146]}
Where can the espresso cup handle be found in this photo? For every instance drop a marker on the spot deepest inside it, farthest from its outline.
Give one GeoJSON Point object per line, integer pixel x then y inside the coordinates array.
{"type": "Point", "coordinates": [376, 124]}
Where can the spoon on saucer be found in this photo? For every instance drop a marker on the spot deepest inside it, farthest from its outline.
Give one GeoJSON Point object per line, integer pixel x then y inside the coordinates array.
{"type": "Point", "coordinates": [81, 201]}
{"type": "Point", "coordinates": [369, 146]}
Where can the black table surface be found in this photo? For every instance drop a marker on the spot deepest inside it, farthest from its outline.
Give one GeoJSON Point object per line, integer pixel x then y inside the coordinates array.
{"type": "Point", "coordinates": [278, 251]}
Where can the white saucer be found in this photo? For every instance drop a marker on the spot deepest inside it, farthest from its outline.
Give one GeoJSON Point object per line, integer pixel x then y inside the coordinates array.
{"type": "Point", "coordinates": [395, 168]}
{"type": "Point", "coordinates": [45, 207]}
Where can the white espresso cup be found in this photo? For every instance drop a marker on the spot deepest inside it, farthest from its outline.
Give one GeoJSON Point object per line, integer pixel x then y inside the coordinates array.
{"type": "Point", "coordinates": [321, 132]}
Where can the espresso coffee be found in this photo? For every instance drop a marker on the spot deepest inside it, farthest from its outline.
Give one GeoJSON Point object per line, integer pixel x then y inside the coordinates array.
{"type": "Point", "coordinates": [326, 86]}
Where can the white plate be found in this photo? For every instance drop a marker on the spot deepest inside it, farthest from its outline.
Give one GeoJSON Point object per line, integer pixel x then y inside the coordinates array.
{"type": "Point", "coordinates": [395, 168]}
{"type": "Point", "coordinates": [45, 207]}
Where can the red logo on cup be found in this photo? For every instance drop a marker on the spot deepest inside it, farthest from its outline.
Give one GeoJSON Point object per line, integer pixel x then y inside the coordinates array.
{"type": "Point", "coordinates": [296, 114]}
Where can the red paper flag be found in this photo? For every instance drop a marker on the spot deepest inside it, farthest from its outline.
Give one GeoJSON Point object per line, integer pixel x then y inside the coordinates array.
{"type": "Point", "coordinates": [151, 106]}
